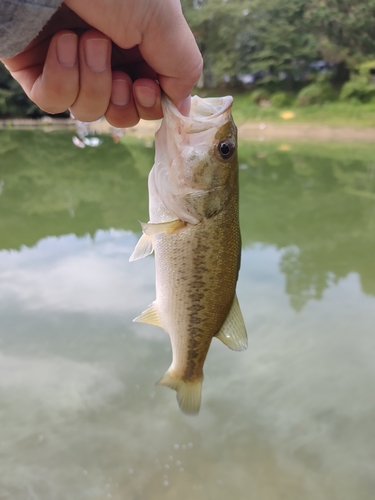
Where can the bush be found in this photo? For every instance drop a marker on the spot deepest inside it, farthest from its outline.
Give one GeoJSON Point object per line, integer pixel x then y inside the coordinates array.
{"type": "Point", "coordinates": [315, 93]}
{"type": "Point", "coordinates": [358, 89]}
{"type": "Point", "coordinates": [259, 95]}
{"type": "Point", "coordinates": [280, 99]}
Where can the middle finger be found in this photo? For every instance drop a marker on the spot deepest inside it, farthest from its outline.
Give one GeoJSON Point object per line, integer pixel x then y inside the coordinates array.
{"type": "Point", "coordinates": [95, 76]}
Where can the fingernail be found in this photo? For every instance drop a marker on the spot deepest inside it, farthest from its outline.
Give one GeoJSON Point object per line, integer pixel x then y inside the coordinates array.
{"type": "Point", "coordinates": [96, 54]}
{"type": "Point", "coordinates": [145, 96]}
{"type": "Point", "coordinates": [67, 50]}
{"type": "Point", "coordinates": [184, 106]}
{"type": "Point", "coordinates": [120, 93]}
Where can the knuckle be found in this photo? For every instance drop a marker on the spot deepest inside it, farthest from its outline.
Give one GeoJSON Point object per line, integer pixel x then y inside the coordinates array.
{"type": "Point", "coordinates": [196, 72]}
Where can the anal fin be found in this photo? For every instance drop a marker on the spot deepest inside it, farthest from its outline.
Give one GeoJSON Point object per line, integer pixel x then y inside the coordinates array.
{"type": "Point", "coordinates": [150, 316]}
{"type": "Point", "coordinates": [233, 332]}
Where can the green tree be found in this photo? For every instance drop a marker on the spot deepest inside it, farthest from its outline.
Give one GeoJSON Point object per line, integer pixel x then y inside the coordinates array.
{"type": "Point", "coordinates": [13, 100]}
{"type": "Point", "coordinates": [218, 28]}
{"type": "Point", "coordinates": [284, 46]}
{"type": "Point", "coordinates": [281, 38]}
{"type": "Point", "coordinates": [344, 29]}
{"type": "Point", "coordinates": [237, 36]}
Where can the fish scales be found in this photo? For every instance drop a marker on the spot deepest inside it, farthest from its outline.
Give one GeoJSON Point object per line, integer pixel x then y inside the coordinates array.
{"type": "Point", "coordinates": [194, 231]}
{"type": "Point", "coordinates": [197, 269]}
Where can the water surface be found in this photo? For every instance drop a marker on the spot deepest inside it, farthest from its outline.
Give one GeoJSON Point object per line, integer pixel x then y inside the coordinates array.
{"type": "Point", "coordinates": [80, 416]}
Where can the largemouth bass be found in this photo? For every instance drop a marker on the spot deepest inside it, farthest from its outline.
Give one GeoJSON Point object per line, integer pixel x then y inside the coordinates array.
{"type": "Point", "coordinates": [194, 232]}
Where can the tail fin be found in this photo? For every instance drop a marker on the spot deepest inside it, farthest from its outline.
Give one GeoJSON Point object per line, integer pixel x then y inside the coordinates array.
{"type": "Point", "coordinates": [188, 393]}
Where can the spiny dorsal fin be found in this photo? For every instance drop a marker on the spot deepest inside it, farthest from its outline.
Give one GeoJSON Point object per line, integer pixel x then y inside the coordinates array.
{"type": "Point", "coordinates": [150, 316]}
{"type": "Point", "coordinates": [151, 228]}
{"type": "Point", "coordinates": [143, 248]}
{"type": "Point", "coordinates": [233, 332]}
{"type": "Point", "coordinates": [188, 393]}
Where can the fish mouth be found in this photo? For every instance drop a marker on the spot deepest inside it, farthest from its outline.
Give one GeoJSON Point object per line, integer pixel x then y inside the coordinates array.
{"type": "Point", "coordinates": [210, 108]}
{"type": "Point", "coordinates": [205, 113]}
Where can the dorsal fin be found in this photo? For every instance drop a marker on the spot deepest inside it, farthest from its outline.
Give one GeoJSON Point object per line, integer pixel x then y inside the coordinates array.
{"type": "Point", "coordinates": [233, 332]}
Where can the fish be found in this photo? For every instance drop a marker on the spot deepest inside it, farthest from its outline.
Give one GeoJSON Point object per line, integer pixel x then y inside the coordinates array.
{"type": "Point", "coordinates": [194, 232]}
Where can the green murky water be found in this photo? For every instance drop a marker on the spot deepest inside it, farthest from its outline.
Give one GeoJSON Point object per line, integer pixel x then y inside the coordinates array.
{"type": "Point", "coordinates": [80, 418]}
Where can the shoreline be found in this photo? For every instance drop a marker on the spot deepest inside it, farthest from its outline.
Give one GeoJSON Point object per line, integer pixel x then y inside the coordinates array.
{"type": "Point", "coordinates": [248, 131]}
{"type": "Point", "coordinates": [304, 132]}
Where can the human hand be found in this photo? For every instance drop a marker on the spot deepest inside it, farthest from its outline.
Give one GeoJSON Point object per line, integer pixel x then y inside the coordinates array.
{"type": "Point", "coordinates": [100, 58]}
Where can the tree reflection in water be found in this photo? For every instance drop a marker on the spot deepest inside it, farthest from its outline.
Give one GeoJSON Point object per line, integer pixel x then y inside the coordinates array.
{"type": "Point", "coordinates": [315, 201]}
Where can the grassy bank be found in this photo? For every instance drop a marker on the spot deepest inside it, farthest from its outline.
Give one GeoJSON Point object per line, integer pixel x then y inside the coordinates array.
{"type": "Point", "coordinates": [333, 114]}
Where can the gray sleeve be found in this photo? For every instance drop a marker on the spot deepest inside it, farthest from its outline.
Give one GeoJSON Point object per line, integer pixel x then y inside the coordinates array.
{"type": "Point", "coordinates": [21, 21]}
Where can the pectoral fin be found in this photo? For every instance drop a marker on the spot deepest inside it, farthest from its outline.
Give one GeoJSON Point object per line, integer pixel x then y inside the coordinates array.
{"type": "Point", "coordinates": [152, 229]}
{"type": "Point", "coordinates": [143, 248]}
{"type": "Point", "coordinates": [150, 316]}
{"type": "Point", "coordinates": [233, 332]}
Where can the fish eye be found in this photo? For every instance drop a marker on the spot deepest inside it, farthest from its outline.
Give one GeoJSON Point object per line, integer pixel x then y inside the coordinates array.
{"type": "Point", "coordinates": [226, 149]}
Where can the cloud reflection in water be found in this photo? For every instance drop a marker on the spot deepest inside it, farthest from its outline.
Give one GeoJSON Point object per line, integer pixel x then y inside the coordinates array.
{"type": "Point", "coordinates": [76, 274]}
{"type": "Point", "coordinates": [79, 409]}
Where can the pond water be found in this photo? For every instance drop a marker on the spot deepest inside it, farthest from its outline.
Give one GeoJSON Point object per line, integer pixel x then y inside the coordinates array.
{"type": "Point", "coordinates": [80, 417]}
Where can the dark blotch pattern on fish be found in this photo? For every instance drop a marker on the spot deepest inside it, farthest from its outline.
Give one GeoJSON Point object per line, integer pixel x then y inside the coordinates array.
{"type": "Point", "coordinates": [205, 314]}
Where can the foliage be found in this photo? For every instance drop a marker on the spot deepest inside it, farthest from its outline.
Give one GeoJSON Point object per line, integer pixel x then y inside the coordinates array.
{"type": "Point", "coordinates": [241, 36]}
{"type": "Point", "coordinates": [367, 69]}
{"type": "Point", "coordinates": [273, 43]}
{"type": "Point", "coordinates": [344, 30]}
{"type": "Point", "coordinates": [335, 113]}
{"type": "Point", "coordinates": [259, 95]}
{"type": "Point", "coordinates": [13, 100]}
{"type": "Point", "coordinates": [280, 99]}
{"type": "Point", "coordinates": [315, 93]}
{"type": "Point", "coordinates": [278, 41]}
{"type": "Point", "coordinates": [218, 28]}
{"type": "Point", "coordinates": [358, 88]}
{"type": "Point", "coordinates": [361, 86]}
{"type": "Point", "coordinates": [284, 47]}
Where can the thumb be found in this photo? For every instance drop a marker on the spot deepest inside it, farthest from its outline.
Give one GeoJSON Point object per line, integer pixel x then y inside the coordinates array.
{"type": "Point", "coordinates": [169, 47]}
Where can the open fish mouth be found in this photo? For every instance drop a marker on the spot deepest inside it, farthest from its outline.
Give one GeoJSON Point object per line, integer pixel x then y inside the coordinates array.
{"type": "Point", "coordinates": [210, 108]}
{"type": "Point", "coordinates": [185, 160]}
{"type": "Point", "coordinates": [204, 114]}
